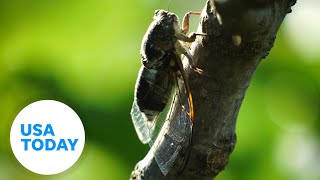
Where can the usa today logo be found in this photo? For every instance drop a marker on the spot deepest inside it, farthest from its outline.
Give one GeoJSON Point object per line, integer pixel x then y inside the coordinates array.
{"type": "Point", "coordinates": [47, 137]}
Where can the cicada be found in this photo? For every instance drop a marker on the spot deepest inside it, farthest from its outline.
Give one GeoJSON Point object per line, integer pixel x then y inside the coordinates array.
{"type": "Point", "coordinates": [157, 85]}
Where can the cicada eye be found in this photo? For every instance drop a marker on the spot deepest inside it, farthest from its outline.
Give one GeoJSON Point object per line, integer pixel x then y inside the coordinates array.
{"type": "Point", "coordinates": [156, 12]}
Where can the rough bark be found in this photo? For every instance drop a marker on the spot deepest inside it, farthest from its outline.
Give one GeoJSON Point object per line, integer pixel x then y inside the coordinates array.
{"type": "Point", "coordinates": [240, 33]}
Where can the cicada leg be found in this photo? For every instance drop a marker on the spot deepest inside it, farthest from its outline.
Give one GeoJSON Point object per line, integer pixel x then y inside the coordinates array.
{"type": "Point", "coordinates": [185, 22]}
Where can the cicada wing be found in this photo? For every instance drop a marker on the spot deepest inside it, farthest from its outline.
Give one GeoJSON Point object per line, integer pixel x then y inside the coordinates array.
{"type": "Point", "coordinates": [175, 136]}
{"type": "Point", "coordinates": [148, 131]}
{"type": "Point", "coordinates": [161, 119]}
{"type": "Point", "coordinates": [143, 128]}
{"type": "Point", "coordinates": [153, 93]}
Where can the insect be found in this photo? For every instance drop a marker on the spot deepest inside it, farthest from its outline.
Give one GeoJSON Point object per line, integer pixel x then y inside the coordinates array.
{"type": "Point", "coordinates": [157, 84]}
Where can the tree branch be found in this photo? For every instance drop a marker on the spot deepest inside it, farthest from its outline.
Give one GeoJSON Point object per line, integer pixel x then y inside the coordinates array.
{"type": "Point", "coordinates": [240, 33]}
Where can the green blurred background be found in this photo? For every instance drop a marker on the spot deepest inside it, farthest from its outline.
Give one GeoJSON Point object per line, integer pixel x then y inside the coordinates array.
{"type": "Point", "coordinates": [86, 54]}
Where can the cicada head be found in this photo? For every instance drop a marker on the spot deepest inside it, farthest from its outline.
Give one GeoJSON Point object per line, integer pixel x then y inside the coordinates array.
{"type": "Point", "coordinates": [165, 15]}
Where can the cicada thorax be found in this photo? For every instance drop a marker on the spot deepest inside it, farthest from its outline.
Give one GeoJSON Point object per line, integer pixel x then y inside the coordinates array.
{"type": "Point", "coordinates": [159, 39]}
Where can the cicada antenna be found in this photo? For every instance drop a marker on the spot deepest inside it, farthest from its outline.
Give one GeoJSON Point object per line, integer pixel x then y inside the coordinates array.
{"type": "Point", "coordinates": [169, 3]}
